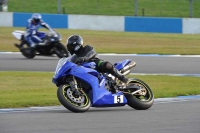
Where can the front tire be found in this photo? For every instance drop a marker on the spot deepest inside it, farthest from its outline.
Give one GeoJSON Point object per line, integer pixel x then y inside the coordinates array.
{"type": "Point", "coordinates": [61, 51]}
{"type": "Point", "coordinates": [74, 103]}
{"type": "Point", "coordinates": [141, 100]}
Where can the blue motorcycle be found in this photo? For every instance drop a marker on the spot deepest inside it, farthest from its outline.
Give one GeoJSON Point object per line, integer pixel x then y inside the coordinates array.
{"type": "Point", "coordinates": [81, 86]}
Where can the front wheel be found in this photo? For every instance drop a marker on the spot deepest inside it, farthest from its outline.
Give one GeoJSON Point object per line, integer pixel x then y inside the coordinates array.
{"type": "Point", "coordinates": [141, 98]}
{"type": "Point", "coordinates": [72, 101]}
{"type": "Point", "coordinates": [61, 51]}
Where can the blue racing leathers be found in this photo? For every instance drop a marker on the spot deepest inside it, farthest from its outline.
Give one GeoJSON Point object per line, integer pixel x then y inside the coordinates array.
{"type": "Point", "coordinates": [31, 32]}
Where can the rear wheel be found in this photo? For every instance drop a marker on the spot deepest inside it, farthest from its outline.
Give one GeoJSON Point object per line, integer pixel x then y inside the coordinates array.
{"type": "Point", "coordinates": [27, 51]}
{"type": "Point", "coordinates": [75, 102]}
{"type": "Point", "coordinates": [61, 51]}
{"type": "Point", "coordinates": [141, 98]}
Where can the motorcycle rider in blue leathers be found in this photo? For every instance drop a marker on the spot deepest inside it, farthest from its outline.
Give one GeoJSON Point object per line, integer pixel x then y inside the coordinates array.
{"type": "Point", "coordinates": [32, 27]}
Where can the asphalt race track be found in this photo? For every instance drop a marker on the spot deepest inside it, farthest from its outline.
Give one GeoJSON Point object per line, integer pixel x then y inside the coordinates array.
{"type": "Point", "coordinates": [170, 115]}
{"type": "Point", "coordinates": [145, 64]}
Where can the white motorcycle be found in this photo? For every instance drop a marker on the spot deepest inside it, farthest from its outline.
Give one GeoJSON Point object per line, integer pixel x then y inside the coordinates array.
{"type": "Point", "coordinates": [50, 45]}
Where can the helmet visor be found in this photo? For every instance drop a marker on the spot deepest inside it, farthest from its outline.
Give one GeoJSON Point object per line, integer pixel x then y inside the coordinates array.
{"type": "Point", "coordinates": [37, 20]}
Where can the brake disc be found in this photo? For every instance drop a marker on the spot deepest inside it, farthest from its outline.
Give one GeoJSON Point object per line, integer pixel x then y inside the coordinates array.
{"type": "Point", "coordinates": [76, 99]}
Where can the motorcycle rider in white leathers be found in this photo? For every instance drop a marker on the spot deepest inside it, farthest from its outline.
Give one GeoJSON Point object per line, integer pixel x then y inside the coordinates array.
{"type": "Point", "coordinates": [32, 27]}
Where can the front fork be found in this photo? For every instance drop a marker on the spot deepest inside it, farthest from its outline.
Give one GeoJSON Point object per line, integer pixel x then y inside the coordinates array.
{"type": "Point", "coordinates": [74, 86]}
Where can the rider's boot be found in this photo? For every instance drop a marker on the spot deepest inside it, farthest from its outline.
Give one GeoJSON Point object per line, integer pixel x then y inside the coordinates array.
{"type": "Point", "coordinates": [112, 70]}
{"type": "Point", "coordinates": [118, 75]}
{"type": "Point", "coordinates": [122, 78]}
{"type": "Point", "coordinates": [17, 45]}
{"type": "Point", "coordinates": [43, 42]}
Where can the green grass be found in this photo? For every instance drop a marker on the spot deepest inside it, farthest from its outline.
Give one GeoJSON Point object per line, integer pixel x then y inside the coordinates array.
{"type": "Point", "coordinates": [171, 86]}
{"type": "Point", "coordinates": [120, 42]}
{"type": "Point", "coordinates": [25, 89]}
{"type": "Point", "coordinates": [158, 8]}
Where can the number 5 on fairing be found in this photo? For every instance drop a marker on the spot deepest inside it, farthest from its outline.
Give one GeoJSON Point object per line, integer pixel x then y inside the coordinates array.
{"type": "Point", "coordinates": [118, 99]}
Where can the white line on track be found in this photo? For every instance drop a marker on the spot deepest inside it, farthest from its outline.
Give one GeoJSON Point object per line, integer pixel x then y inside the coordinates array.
{"type": "Point", "coordinates": [113, 54]}
{"type": "Point", "coordinates": [51, 108]}
{"type": "Point", "coordinates": [167, 74]}
{"type": "Point", "coordinates": [150, 55]}
{"type": "Point", "coordinates": [10, 52]}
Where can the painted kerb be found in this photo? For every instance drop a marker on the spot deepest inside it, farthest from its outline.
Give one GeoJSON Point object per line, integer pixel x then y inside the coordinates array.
{"type": "Point", "coordinates": [160, 25]}
{"type": "Point", "coordinates": [191, 26]}
{"type": "Point", "coordinates": [6, 19]}
{"type": "Point", "coordinates": [94, 22]}
{"type": "Point", "coordinates": [107, 23]}
{"type": "Point", "coordinates": [54, 20]}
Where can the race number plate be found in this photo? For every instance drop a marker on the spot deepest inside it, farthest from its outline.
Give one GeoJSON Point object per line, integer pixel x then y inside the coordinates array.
{"type": "Point", "coordinates": [118, 98]}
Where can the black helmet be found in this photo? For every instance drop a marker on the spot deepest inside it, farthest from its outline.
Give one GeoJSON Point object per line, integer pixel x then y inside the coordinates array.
{"type": "Point", "coordinates": [74, 43]}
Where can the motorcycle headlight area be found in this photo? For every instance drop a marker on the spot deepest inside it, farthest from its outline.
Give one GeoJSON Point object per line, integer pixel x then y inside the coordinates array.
{"type": "Point", "coordinates": [53, 34]}
{"type": "Point", "coordinates": [61, 62]}
{"type": "Point", "coordinates": [60, 37]}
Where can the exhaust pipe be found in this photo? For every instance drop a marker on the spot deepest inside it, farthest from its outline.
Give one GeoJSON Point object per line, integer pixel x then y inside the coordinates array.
{"type": "Point", "coordinates": [126, 73]}
{"type": "Point", "coordinates": [128, 67]}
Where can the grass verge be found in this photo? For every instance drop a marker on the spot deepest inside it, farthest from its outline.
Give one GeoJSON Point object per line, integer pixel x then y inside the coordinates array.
{"type": "Point", "coordinates": [119, 42]}
{"type": "Point", "coordinates": [159, 8]}
{"type": "Point", "coordinates": [26, 89]}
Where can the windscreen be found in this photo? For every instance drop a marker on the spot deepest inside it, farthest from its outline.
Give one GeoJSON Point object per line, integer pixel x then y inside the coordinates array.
{"type": "Point", "coordinates": [61, 62]}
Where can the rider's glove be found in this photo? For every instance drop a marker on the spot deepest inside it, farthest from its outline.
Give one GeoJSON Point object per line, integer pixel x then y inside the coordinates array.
{"type": "Point", "coordinates": [51, 30]}
{"type": "Point", "coordinates": [81, 60]}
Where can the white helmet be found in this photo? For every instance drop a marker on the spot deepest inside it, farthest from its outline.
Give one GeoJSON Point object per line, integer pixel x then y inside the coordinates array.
{"type": "Point", "coordinates": [36, 17]}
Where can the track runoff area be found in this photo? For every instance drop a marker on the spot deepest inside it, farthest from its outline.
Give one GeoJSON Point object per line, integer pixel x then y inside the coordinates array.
{"type": "Point", "coordinates": [156, 101]}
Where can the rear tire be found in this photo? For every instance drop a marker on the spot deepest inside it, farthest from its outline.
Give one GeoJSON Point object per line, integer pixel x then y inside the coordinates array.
{"type": "Point", "coordinates": [141, 100]}
{"type": "Point", "coordinates": [27, 51]}
{"type": "Point", "coordinates": [74, 103]}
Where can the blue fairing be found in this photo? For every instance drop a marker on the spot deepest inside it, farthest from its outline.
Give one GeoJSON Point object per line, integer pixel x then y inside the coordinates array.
{"type": "Point", "coordinates": [122, 64]}
{"type": "Point", "coordinates": [99, 95]}
{"type": "Point", "coordinates": [103, 98]}
{"type": "Point", "coordinates": [41, 35]}
{"type": "Point", "coordinates": [63, 72]}
{"type": "Point", "coordinates": [90, 65]}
